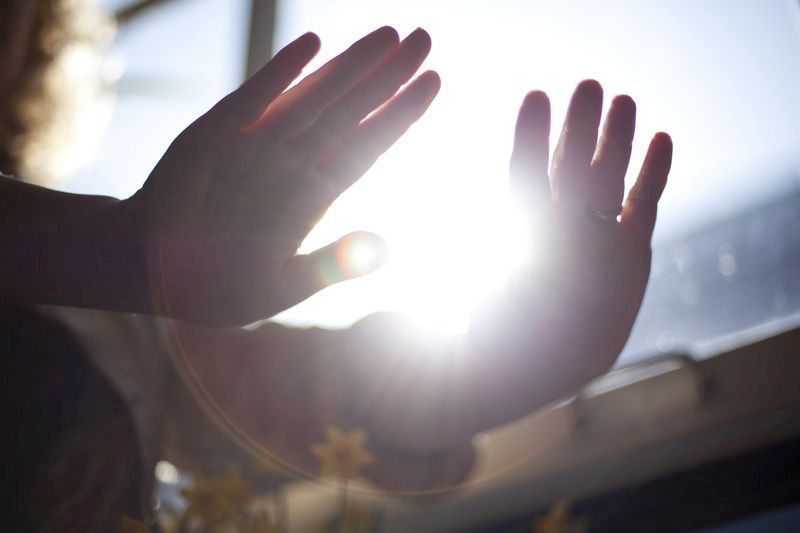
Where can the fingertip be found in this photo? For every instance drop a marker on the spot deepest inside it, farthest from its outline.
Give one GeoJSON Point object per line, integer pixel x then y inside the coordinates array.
{"type": "Point", "coordinates": [312, 38]}
{"type": "Point", "coordinates": [620, 125]}
{"type": "Point", "coordinates": [536, 98]}
{"type": "Point", "coordinates": [589, 89]}
{"type": "Point", "coordinates": [432, 77]}
{"type": "Point", "coordinates": [663, 139]}
{"type": "Point", "coordinates": [387, 33]}
{"type": "Point", "coordinates": [420, 35]}
{"type": "Point", "coordinates": [315, 40]}
{"type": "Point", "coordinates": [624, 102]}
{"type": "Point", "coordinates": [309, 42]}
{"type": "Point", "coordinates": [657, 165]}
{"type": "Point", "coordinates": [666, 141]}
{"type": "Point", "coordinates": [661, 147]}
{"type": "Point", "coordinates": [426, 85]}
{"type": "Point", "coordinates": [534, 114]}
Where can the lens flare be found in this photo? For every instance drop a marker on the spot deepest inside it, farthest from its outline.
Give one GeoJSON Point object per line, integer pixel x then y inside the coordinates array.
{"type": "Point", "coordinates": [361, 253]}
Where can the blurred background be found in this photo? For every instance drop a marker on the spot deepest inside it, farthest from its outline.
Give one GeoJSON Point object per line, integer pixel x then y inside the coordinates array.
{"type": "Point", "coordinates": [721, 76]}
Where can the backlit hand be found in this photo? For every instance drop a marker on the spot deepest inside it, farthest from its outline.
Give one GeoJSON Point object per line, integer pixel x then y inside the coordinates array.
{"type": "Point", "coordinates": [560, 321]}
{"type": "Point", "coordinates": [568, 316]}
{"type": "Point", "coordinates": [223, 213]}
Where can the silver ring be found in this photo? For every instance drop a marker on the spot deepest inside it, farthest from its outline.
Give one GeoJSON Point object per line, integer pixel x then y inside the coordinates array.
{"type": "Point", "coordinates": [604, 215]}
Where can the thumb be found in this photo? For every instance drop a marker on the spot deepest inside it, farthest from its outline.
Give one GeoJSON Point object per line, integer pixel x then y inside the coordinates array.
{"type": "Point", "coordinates": [352, 256]}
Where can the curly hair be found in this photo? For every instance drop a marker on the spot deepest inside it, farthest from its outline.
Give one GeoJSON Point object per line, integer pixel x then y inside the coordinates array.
{"type": "Point", "coordinates": [38, 118]}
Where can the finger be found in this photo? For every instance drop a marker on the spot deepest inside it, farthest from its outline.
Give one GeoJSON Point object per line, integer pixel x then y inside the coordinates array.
{"type": "Point", "coordinates": [573, 155]}
{"type": "Point", "coordinates": [300, 107]}
{"type": "Point", "coordinates": [379, 132]}
{"type": "Point", "coordinates": [352, 256]}
{"type": "Point", "coordinates": [245, 105]}
{"type": "Point", "coordinates": [607, 179]}
{"type": "Point", "coordinates": [529, 158]}
{"type": "Point", "coordinates": [375, 89]}
{"type": "Point", "coordinates": [639, 214]}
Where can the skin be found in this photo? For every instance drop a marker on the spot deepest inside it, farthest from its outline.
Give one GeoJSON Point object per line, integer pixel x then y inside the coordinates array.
{"type": "Point", "coordinates": [212, 238]}
{"type": "Point", "coordinates": [557, 324]}
{"type": "Point", "coordinates": [229, 204]}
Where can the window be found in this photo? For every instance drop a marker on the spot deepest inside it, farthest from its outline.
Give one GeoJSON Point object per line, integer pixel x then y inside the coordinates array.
{"type": "Point", "coordinates": [720, 76]}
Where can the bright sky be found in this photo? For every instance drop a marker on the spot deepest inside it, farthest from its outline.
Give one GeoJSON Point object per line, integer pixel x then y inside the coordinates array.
{"type": "Point", "coordinates": [720, 75]}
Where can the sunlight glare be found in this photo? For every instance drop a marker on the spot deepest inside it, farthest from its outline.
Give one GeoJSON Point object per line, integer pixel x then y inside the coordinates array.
{"type": "Point", "coordinates": [439, 197]}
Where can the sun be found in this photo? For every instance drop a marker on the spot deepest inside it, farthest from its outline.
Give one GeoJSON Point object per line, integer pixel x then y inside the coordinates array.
{"type": "Point", "coordinates": [453, 234]}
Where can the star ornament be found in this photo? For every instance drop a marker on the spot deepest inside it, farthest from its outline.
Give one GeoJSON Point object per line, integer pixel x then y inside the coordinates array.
{"type": "Point", "coordinates": [344, 453]}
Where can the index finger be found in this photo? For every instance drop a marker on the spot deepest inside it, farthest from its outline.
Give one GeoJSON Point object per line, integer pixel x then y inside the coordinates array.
{"type": "Point", "coordinates": [529, 158]}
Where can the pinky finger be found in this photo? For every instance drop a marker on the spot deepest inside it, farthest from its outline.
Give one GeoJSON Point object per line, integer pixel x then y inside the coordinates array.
{"type": "Point", "coordinates": [641, 206]}
{"type": "Point", "coordinates": [380, 131]}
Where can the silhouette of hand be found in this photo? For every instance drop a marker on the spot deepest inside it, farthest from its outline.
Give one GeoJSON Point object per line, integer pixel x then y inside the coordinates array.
{"type": "Point", "coordinates": [560, 321]}
{"type": "Point", "coordinates": [223, 213]}
{"type": "Point", "coordinates": [569, 316]}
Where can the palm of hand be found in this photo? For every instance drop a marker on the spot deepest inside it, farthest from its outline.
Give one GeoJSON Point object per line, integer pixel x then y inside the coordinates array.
{"type": "Point", "coordinates": [237, 192]}
{"type": "Point", "coordinates": [575, 308]}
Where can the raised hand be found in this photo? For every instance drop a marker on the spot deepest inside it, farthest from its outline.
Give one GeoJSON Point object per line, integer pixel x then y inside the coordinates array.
{"type": "Point", "coordinates": [568, 316]}
{"type": "Point", "coordinates": [561, 320]}
{"type": "Point", "coordinates": [223, 213]}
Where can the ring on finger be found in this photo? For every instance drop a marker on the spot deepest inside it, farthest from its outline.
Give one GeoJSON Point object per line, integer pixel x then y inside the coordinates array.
{"type": "Point", "coordinates": [604, 215]}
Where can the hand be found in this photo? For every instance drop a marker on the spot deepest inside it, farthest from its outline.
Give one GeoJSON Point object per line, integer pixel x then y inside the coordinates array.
{"type": "Point", "coordinates": [569, 316]}
{"type": "Point", "coordinates": [559, 322]}
{"type": "Point", "coordinates": [226, 208]}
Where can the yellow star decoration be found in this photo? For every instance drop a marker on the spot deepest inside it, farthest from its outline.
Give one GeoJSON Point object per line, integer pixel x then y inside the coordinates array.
{"type": "Point", "coordinates": [344, 453]}
{"type": "Point", "coordinates": [219, 499]}
{"type": "Point", "coordinates": [129, 525]}
{"type": "Point", "coordinates": [557, 520]}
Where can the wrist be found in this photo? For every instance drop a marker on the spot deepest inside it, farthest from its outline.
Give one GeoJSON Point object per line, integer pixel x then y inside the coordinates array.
{"type": "Point", "coordinates": [122, 254]}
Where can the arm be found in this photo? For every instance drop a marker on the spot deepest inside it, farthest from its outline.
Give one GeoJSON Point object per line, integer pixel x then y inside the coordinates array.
{"type": "Point", "coordinates": [69, 249]}
{"type": "Point", "coordinates": [279, 389]}
{"type": "Point", "coordinates": [212, 236]}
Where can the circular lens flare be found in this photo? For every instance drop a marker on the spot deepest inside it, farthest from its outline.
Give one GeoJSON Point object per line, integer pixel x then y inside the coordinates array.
{"type": "Point", "coordinates": [361, 253]}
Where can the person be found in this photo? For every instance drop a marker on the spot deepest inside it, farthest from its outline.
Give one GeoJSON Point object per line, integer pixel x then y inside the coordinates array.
{"type": "Point", "coordinates": [211, 239]}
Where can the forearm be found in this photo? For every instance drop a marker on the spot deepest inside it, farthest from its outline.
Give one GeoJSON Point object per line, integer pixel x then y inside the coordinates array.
{"type": "Point", "coordinates": [424, 393]}
{"type": "Point", "coordinates": [69, 249]}
{"type": "Point", "coordinates": [281, 388]}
